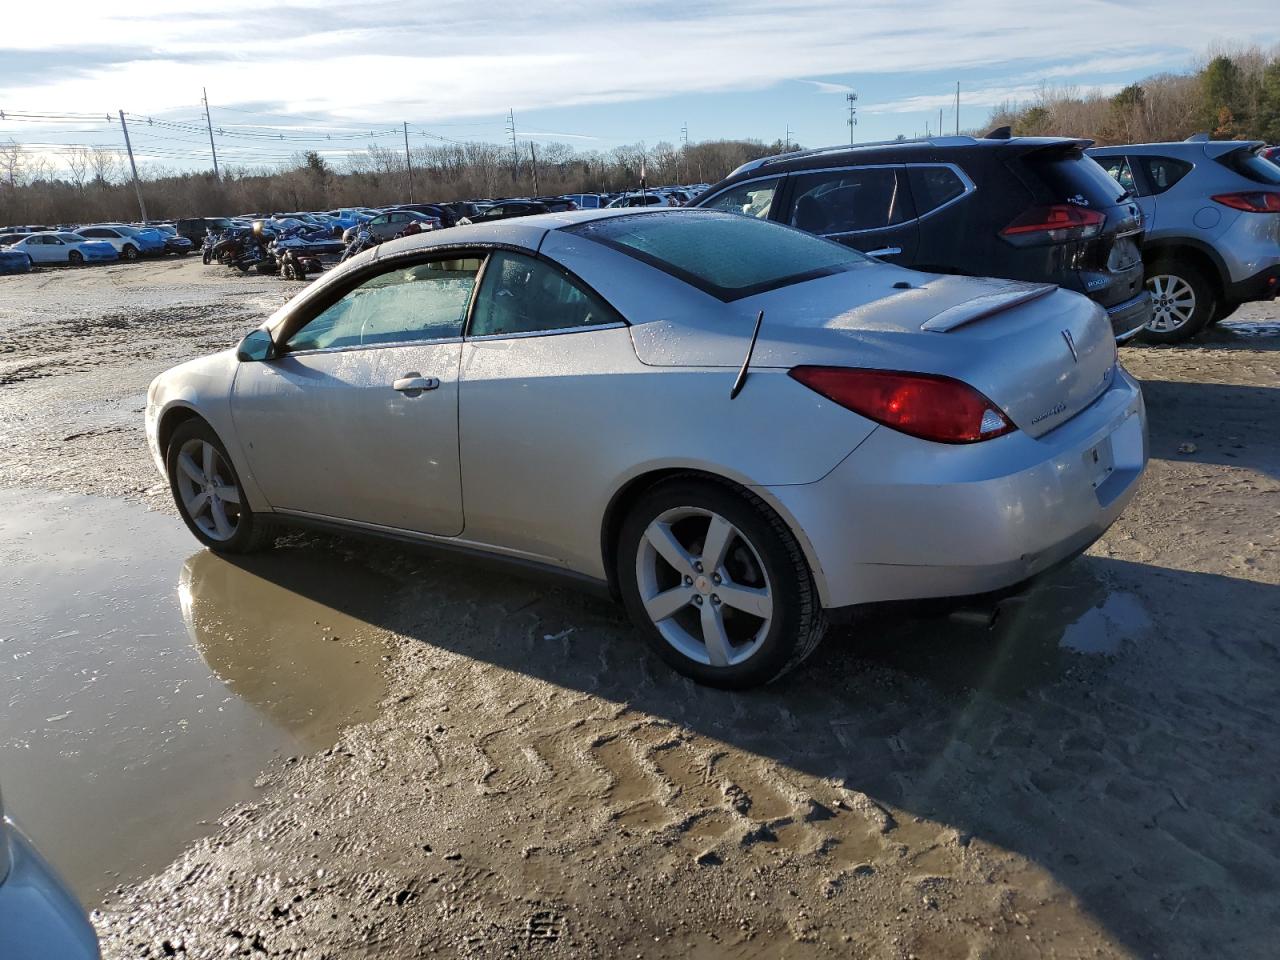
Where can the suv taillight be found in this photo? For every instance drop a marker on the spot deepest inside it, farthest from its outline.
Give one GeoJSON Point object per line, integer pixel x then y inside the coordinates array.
{"type": "Point", "coordinates": [1250, 201]}
{"type": "Point", "coordinates": [923, 405]}
{"type": "Point", "coordinates": [1055, 223]}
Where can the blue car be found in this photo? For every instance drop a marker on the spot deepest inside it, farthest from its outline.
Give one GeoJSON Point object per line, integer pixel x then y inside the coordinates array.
{"type": "Point", "coordinates": [39, 917]}
{"type": "Point", "coordinates": [13, 261]}
{"type": "Point", "coordinates": [129, 242]}
{"type": "Point", "coordinates": [346, 218]}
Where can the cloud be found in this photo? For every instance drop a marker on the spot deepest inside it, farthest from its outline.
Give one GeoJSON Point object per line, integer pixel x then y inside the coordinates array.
{"type": "Point", "coordinates": [359, 64]}
{"type": "Point", "coordinates": [825, 87]}
{"type": "Point", "coordinates": [984, 97]}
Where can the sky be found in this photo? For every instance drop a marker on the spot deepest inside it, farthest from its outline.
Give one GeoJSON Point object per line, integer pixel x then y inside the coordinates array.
{"type": "Point", "coordinates": [336, 75]}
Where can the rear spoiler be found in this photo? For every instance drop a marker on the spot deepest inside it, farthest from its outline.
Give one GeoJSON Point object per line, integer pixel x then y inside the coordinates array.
{"type": "Point", "coordinates": [1220, 148]}
{"type": "Point", "coordinates": [980, 308]}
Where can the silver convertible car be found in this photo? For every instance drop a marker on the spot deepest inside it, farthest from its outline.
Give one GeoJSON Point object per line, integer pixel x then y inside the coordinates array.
{"type": "Point", "coordinates": [733, 426]}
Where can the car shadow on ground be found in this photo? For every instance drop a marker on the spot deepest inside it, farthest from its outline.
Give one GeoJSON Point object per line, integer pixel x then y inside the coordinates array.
{"type": "Point", "coordinates": [1236, 426]}
{"type": "Point", "coordinates": [1117, 730]}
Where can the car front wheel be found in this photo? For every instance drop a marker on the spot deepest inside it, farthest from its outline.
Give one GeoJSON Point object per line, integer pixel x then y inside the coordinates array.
{"type": "Point", "coordinates": [130, 252]}
{"type": "Point", "coordinates": [75, 258]}
{"type": "Point", "coordinates": [718, 584]}
{"type": "Point", "coordinates": [208, 493]}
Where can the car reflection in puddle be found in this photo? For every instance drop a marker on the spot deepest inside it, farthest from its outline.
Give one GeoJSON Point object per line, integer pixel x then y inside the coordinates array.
{"type": "Point", "coordinates": [1071, 618]}
{"type": "Point", "coordinates": [135, 713]}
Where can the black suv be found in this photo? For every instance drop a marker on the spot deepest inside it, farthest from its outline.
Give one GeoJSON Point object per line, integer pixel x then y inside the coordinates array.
{"type": "Point", "coordinates": [1021, 208]}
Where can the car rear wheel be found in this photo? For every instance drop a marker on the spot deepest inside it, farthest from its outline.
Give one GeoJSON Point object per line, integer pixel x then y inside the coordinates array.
{"type": "Point", "coordinates": [208, 493]}
{"type": "Point", "coordinates": [130, 252]}
{"type": "Point", "coordinates": [1182, 302]}
{"type": "Point", "coordinates": [718, 584]}
{"type": "Point", "coordinates": [75, 258]}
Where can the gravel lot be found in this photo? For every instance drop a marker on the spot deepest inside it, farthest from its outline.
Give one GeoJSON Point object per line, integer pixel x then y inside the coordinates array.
{"type": "Point", "coordinates": [1096, 778]}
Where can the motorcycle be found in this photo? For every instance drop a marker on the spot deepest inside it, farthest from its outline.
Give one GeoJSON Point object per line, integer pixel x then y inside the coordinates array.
{"type": "Point", "coordinates": [362, 241]}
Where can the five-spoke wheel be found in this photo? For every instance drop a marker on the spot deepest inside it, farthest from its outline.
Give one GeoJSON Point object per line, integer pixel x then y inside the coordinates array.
{"type": "Point", "coordinates": [717, 583]}
{"type": "Point", "coordinates": [208, 493]}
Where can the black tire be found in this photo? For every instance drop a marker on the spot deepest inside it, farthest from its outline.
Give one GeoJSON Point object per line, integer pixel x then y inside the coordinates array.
{"type": "Point", "coordinates": [1222, 310]}
{"type": "Point", "coordinates": [183, 253]}
{"type": "Point", "coordinates": [1161, 275]}
{"type": "Point", "coordinates": [130, 252]}
{"type": "Point", "coordinates": [207, 255]}
{"type": "Point", "coordinates": [252, 532]}
{"type": "Point", "coordinates": [75, 258]}
{"type": "Point", "coordinates": [797, 621]}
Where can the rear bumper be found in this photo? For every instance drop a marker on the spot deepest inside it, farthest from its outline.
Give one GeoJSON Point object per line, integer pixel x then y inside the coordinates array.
{"type": "Point", "coordinates": [1263, 285]}
{"type": "Point", "coordinates": [39, 918]}
{"type": "Point", "coordinates": [1128, 318]}
{"type": "Point", "coordinates": [904, 519]}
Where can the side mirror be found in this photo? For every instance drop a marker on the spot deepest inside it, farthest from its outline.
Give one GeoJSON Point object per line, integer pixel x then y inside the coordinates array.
{"type": "Point", "coordinates": [256, 346]}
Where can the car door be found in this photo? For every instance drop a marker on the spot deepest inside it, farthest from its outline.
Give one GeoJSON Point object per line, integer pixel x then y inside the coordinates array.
{"type": "Point", "coordinates": [867, 208]}
{"type": "Point", "coordinates": [43, 250]}
{"type": "Point", "coordinates": [356, 419]}
{"type": "Point", "coordinates": [1156, 176]}
{"type": "Point", "coordinates": [541, 351]}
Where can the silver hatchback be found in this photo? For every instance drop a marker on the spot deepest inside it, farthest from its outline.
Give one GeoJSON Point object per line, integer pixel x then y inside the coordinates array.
{"type": "Point", "coordinates": [1212, 213]}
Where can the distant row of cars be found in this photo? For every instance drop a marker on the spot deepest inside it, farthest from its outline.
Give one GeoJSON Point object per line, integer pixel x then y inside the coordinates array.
{"type": "Point", "coordinates": [22, 249]}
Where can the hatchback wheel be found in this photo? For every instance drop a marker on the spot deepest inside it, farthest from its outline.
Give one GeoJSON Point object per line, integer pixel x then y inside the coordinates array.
{"type": "Point", "coordinates": [718, 584]}
{"type": "Point", "coordinates": [1182, 302]}
{"type": "Point", "coordinates": [208, 492]}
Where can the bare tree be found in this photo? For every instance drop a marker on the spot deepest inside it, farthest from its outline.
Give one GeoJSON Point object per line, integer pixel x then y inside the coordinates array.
{"type": "Point", "coordinates": [105, 164]}
{"type": "Point", "coordinates": [78, 162]}
{"type": "Point", "coordinates": [12, 163]}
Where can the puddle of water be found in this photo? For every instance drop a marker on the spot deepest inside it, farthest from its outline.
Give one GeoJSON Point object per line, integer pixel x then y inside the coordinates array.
{"type": "Point", "coordinates": [1072, 612]}
{"type": "Point", "coordinates": [145, 684]}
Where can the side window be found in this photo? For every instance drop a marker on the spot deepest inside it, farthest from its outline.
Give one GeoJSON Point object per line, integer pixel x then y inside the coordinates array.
{"type": "Point", "coordinates": [399, 218]}
{"type": "Point", "coordinates": [427, 301]}
{"type": "Point", "coordinates": [1120, 171]}
{"type": "Point", "coordinates": [753, 199]}
{"type": "Point", "coordinates": [933, 187]}
{"type": "Point", "coordinates": [1163, 172]}
{"type": "Point", "coordinates": [523, 295]}
{"type": "Point", "coordinates": [850, 200]}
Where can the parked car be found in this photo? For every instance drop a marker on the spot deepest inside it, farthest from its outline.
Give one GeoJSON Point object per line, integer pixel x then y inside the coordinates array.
{"type": "Point", "coordinates": [13, 261]}
{"type": "Point", "coordinates": [386, 225]}
{"type": "Point", "coordinates": [1212, 212]}
{"type": "Point", "coordinates": [129, 242]}
{"type": "Point", "coordinates": [614, 396]}
{"type": "Point", "coordinates": [647, 198]}
{"type": "Point", "coordinates": [40, 917]}
{"type": "Point", "coordinates": [174, 242]}
{"type": "Point", "coordinates": [346, 218]}
{"type": "Point", "coordinates": [1021, 208]}
{"type": "Point", "coordinates": [71, 248]}
{"type": "Point", "coordinates": [441, 211]}
{"type": "Point", "coordinates": [507, 209]}
{"type": "Point", "coordinates": [194, 228]}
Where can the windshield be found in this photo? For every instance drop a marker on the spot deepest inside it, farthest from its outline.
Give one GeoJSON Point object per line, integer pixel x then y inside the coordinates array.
{"type": "Point", "coordinates": [723, 254]}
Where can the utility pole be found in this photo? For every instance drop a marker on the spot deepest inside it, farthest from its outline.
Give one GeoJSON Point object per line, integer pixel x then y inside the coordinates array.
{"type": "Point", "coordinates": [684, 149]}
{"type": "Point", "coordinates": [939, 121]}
{"type": "Point", "coordinates": [787, 148]}
{"type": "Point", "coordinates": [957, 108]}
{"type": "Point", "coordinates": [515, 150]}
{"type": "Point", "coordinates": [212, 149]}
{"type": "Point", "coordinates": [852, 99]}
{"type": "Point", "coordinates": [134, 167]}
{"type": "Point", "coordinates": [408, 163]}
{"type": "Point", "coordinates": [533, 156]}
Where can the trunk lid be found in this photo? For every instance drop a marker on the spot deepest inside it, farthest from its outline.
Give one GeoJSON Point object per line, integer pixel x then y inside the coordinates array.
{"type": "Point", "coordinates": [1041, 354]}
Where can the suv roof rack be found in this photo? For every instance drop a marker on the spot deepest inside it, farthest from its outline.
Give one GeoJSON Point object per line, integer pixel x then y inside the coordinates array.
{"type": "Point", "coordinates": [953, 141]}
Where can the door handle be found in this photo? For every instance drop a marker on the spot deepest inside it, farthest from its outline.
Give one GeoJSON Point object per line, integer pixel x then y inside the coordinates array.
{"type": "Point", "coordinates": [414, 383]}
{"type": "Point", "coordinates": [884, 252]}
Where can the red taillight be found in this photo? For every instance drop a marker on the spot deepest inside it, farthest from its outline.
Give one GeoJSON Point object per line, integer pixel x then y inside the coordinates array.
{"type": "Point", "coordinates": [924, 405]}
{"type": "Point", "coordinates": [1250, 201]}
{"type": "Point", "coordinates": [1054, 224]}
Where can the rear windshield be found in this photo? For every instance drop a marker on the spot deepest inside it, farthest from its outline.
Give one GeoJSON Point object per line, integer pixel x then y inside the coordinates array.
{"type": "Point", "coordinates": [724, 254]}
{"type": "Point", "coordinates": [1250, 165]}
{"type": "Point", "coordinates": [1072, 177]}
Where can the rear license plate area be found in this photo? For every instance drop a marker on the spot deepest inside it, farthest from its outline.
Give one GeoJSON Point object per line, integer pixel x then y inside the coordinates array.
{"type": "Point", "coordinates": [1100, 462]}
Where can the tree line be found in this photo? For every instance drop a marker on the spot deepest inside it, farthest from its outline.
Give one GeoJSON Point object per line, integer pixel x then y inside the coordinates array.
{"type": "Point", "coordinates": [1232, 94]}
{"type": "Point", "coordinates": [93, 183]}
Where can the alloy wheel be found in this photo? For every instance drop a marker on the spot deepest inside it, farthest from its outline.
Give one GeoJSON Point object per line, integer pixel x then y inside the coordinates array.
{"type": "Point", "coordinates": [704, 586]}
{"type": "Point", "coordinates": [206, 484]}
{"type": "Point", "coordinates": [1173, 303]}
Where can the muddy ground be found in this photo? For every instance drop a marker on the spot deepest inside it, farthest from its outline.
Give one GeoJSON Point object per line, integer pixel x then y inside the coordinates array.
{"type": "Point", "coordinates": [1099, 777]}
